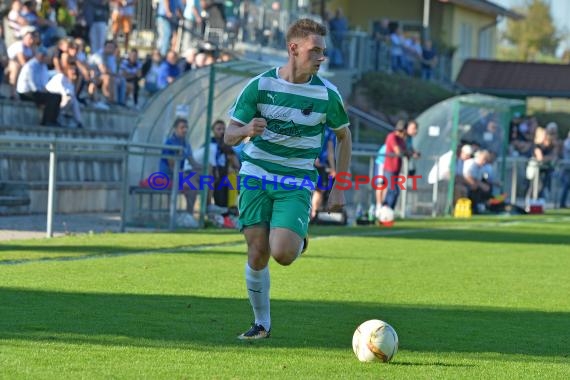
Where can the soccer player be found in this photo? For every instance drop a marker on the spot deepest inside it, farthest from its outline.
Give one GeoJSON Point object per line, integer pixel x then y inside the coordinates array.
{"type": "Point", "coordinates": [282, 115]}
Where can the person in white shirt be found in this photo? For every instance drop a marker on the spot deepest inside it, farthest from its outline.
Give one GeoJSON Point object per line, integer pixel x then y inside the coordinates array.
{"type": "Point", "coordinates": [478, 190]}
{"type": "Point", "coordinates": [62, 84]}
{"type": "Point", "coordinates": [19, 53]}
{"type": "Point", "coordinates": [31, 86]}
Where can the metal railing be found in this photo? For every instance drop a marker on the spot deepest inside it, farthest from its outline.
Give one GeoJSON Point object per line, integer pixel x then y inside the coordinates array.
{"type": "Point", "coordinates": [406, 206]}
{"type": "Point", "coordinates": [435, 194]}
{"type": "Point", "coordinates": [70, 146]}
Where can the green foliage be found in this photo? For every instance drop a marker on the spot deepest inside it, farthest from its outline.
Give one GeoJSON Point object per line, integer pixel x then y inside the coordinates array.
{"type": "Point", "coordinates": [470, 299]}
{"type": "Point", "coordinates": [395, 93]}
{"type": "Point", "coordinates": [536, 34]}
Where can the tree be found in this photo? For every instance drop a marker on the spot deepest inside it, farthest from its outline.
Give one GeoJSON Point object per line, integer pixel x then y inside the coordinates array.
{"type": "Point", "coordinates": [536, 34]}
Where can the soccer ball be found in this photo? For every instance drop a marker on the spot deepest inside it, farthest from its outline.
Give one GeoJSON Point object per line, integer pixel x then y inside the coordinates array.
{"type": "Point", "coordinates": [375, 340]}
{"type": "Point", "coordinates": [385, 216]}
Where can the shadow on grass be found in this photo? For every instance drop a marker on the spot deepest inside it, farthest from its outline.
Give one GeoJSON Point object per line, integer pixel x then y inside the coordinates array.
{"type": "Point", "coordinates": [81, 252]}
{"type": "Point", "coordinates": [479, 234]}
{"type": "Point", "coordinates": [200, 323]}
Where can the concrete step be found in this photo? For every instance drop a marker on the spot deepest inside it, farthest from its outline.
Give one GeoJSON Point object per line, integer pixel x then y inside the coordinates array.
{"type": "Point", "coordinates": [118, 119]}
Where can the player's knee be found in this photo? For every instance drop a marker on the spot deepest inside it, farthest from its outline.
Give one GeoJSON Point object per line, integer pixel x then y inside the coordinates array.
{"type": "Point", "coordinates": [258, 256]}
{"type": "Point", "coordinates": [284, 256]}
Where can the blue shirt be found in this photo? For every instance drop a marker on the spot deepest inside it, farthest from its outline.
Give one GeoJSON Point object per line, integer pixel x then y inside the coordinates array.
{"type": "Point", "coordinates": [174, 5]}
{"type": "Point", "coordinates": [381, 155]}
{"type": "Point", "coordinates": [188, 14]}
{"type": "Point", "coordinates": [164, 71]}
{"type": "Point", "coordinates": [175, 141]}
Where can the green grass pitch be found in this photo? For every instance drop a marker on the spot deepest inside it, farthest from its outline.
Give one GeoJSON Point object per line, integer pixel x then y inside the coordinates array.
{"type": "Point", "coordinates": [476, 299]}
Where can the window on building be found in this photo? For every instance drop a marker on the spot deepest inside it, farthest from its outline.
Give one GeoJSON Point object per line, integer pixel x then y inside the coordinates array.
{"type": "Point", "coordinates": [465, 41]}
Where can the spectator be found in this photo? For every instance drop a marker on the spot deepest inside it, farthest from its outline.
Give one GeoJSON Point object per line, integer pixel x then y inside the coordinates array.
{"type": "Point", "coordinates": [151, 71]}
{"type": "Point", "coordinates": [61, 49]}
{"type": "Point", "coordinates": [178, 137]}
{"type": "Point", "coordinates": [412, 53]}
{"type": "Point", "coordinates": [96, 13]}
{"type": "Point", "coordinates": [122, 19]}
{"type": "Point", "coordinates": [169, 70]}
{"type": "Point", "coordinates": [32, 86]}
{"type": "Point", "coordinates": [167, 16]}
{"type": "Point", "coordinates": [62, 83]}
{"type": "Point", "coordinates": [565, 178]}
{"type": "Point", "coordinates": [411, 132]}
{"type": "Point", "coordinates": [545, 154]}
{"type": "Point", "coordinates": [326, 168]}
{"type": "Point", "coordinates": [397, 51]}
{"type": "Point", "coordinates": [215, 22]}
{"type": "Point", "coordinates": [19, 53]}
{"type": "Point", "coordinates": [395, 149]}
{"type": "Point", "coordinates": [3, 55]}
{"type": "Point", "coordinates": [338, 27]}
{"type": "Point", "coordinates": [478, 190]}
{"type": "Point", "coordinates": [131, 70]}
{"type": "Point", "coordinates": [441, 171]}
{"type": "Point", "coordinates": [381, 31]}
{"type": "Point", "coordinates": [380, 192]}
{"type": "Point", "coordinates": [192, 30]}
{"type": "Point", "coordinates": [492, 138]}
{"type": "Point", "coordinates": [223, 159]}
{"type": "Point", "coordinates": [15, 23]}
{"type": "Point", "coordinates": [75, 56]}
{"type": "Point", "coordinates": [113, 85]}
{"type": "Point", "coordinates": [428, 59]}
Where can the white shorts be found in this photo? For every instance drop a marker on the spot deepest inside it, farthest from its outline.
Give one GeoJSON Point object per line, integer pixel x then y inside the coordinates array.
{"type": "Point", "coordinates": [379, 171]}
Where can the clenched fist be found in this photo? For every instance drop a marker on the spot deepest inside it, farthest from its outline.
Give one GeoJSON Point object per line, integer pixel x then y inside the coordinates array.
{"type": "Point", "coordinates": [256, 127]}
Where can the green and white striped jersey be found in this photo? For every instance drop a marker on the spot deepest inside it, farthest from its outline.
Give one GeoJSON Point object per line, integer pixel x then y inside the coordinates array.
{"type": "Point", "coordinates": [296, 116]}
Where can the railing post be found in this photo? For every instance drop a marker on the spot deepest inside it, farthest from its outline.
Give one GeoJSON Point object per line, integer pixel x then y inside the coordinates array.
{"type": "Point", "coordinates": [535, 183]}
{"type": "Point", "coordinates": [125, 188]}
{"type": "Point", "coordinates": [404, 191]}
{"type": "Point", "coordinates": [174, 195]}
{"type": "Point", "coordinates": [51, 188]}
{"type": "Point", "coordinates": [435, 193]}
{"type": "Point", "coordinates": [514, 179]}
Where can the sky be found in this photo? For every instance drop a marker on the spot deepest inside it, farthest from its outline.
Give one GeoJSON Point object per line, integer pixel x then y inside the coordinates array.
{"type": "Point", "coordinates": [560, 9]}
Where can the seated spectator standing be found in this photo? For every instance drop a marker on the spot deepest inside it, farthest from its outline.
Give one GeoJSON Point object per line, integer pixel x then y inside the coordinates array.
{"type": "Point", "coordinates": [178, 137]}
{"type": "Point", "coordinates": [169, 70]}
{"type": "Point", "coordinates": [32, 86]}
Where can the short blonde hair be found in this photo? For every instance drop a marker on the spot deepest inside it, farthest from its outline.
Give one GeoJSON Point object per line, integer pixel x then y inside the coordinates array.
{"type": "Point", "coordinates": [305, 27]}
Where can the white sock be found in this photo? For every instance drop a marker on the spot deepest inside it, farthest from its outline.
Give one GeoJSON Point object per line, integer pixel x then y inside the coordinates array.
{"type": "Point", "coordinates": [300, 248]}
{"type": "Point", "coordinates": [257, 282]}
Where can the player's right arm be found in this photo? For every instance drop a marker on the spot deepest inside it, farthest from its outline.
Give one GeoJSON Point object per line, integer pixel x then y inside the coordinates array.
{"type": "Point", "coordinates": [236, 132]}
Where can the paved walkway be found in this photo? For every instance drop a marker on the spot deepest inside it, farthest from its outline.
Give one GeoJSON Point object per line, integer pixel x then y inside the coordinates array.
{"type": "Point", "coordinates": [34, 226]}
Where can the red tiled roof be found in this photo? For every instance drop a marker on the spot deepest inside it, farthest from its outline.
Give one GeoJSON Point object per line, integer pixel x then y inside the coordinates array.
{"type": "Point", "coordinates": [515, 78]}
